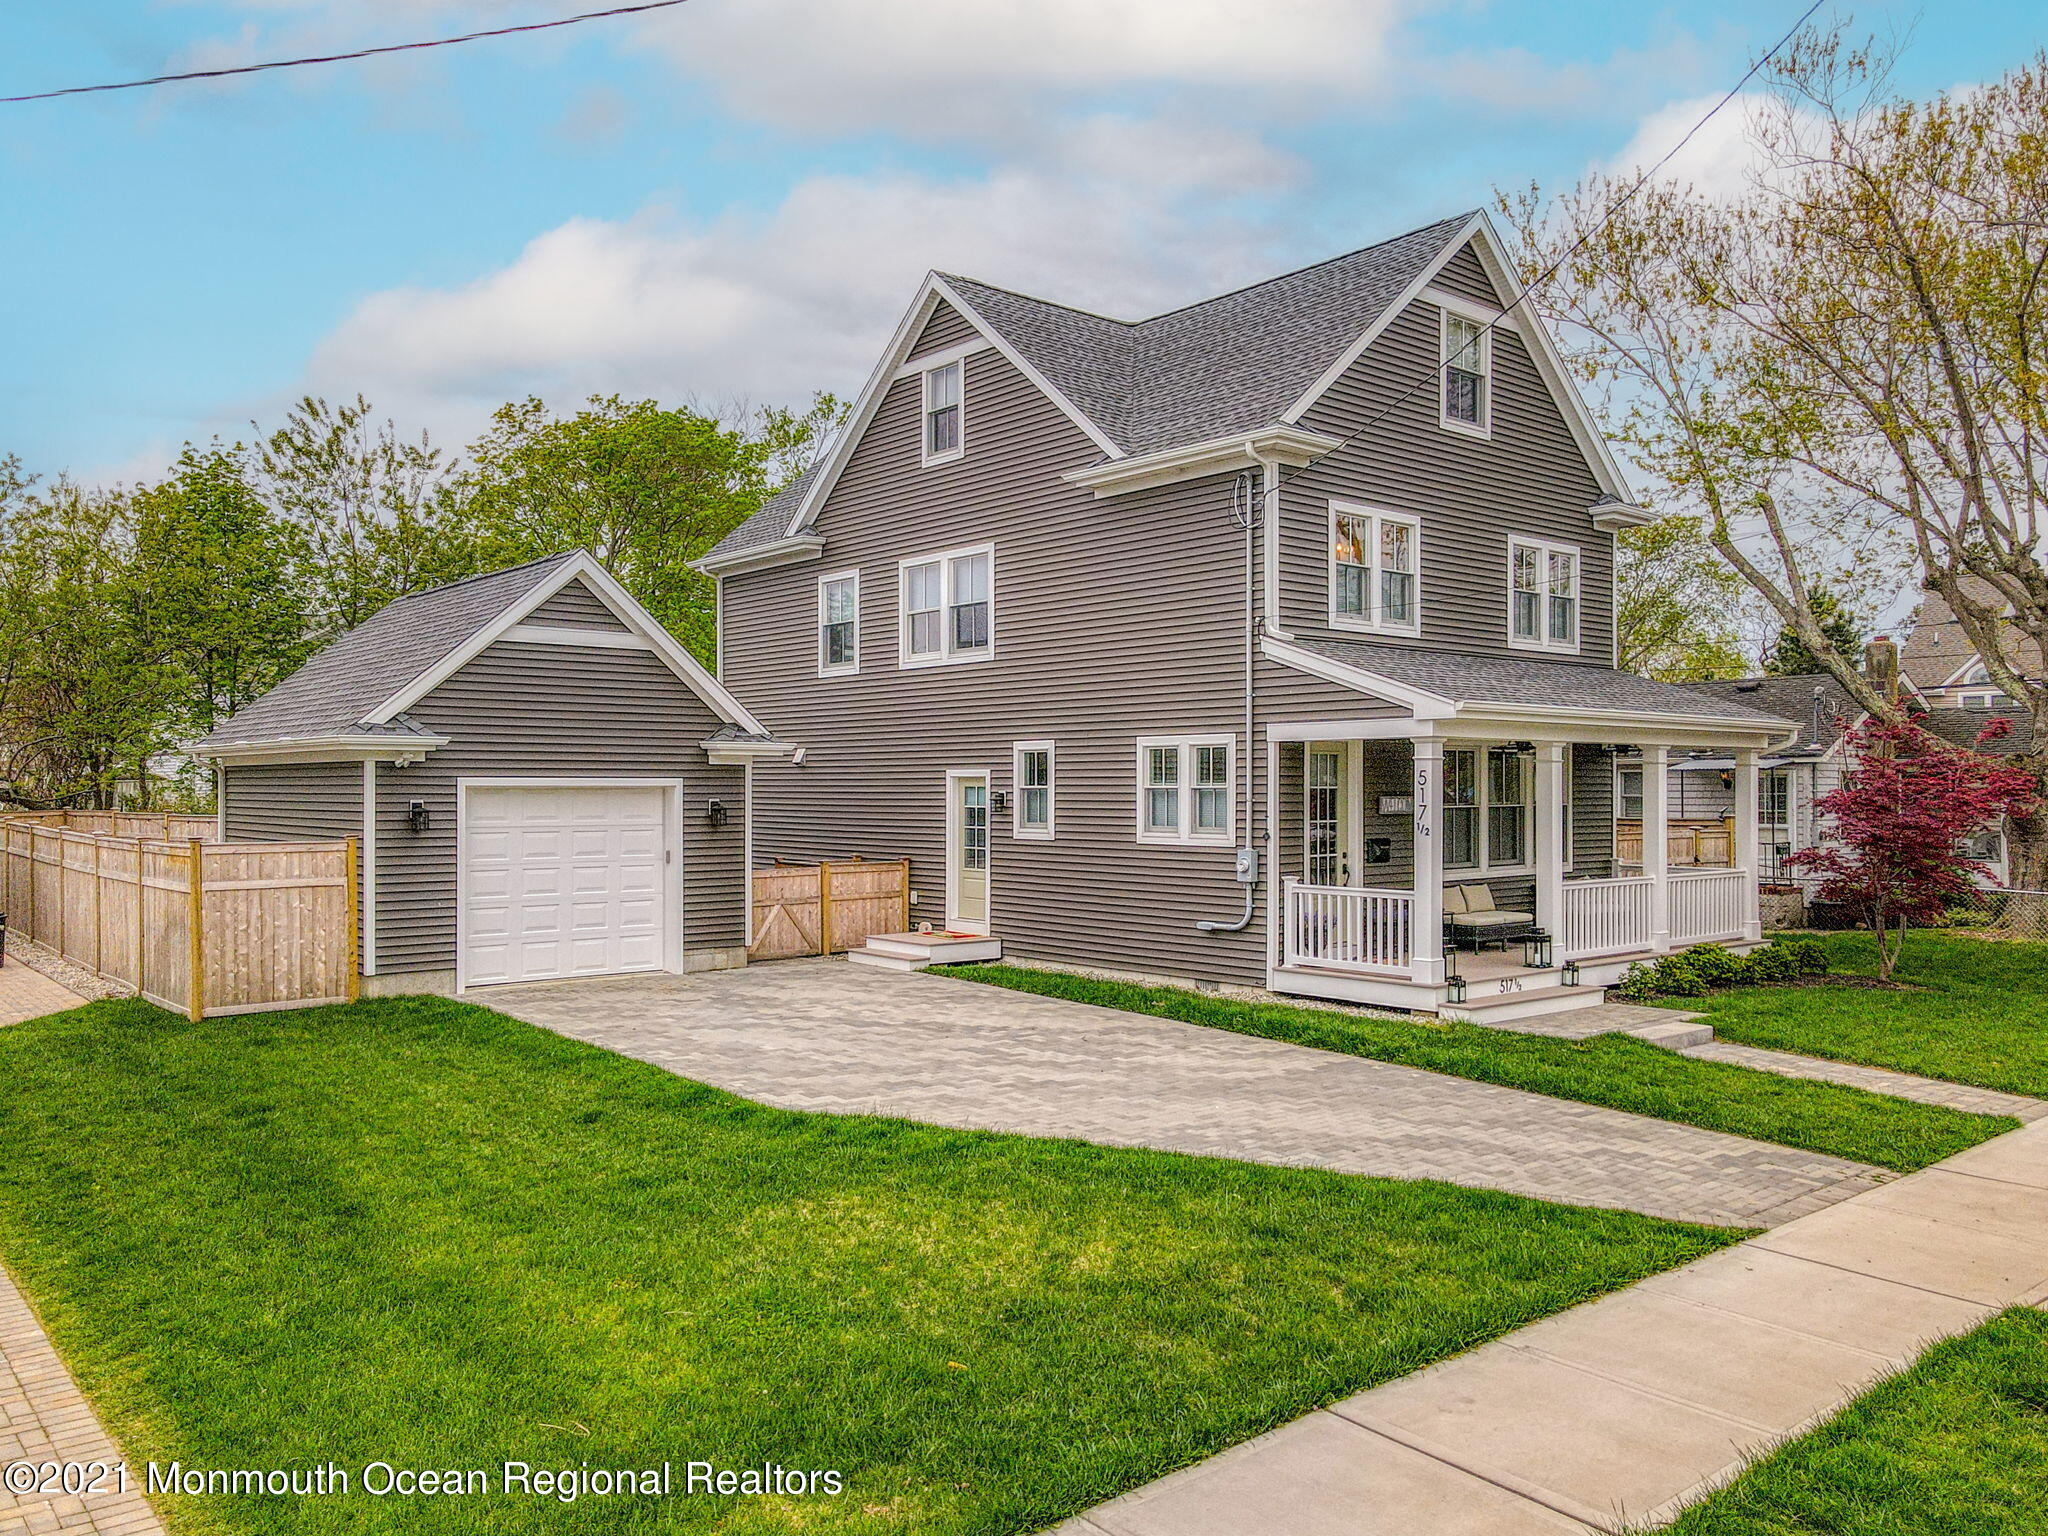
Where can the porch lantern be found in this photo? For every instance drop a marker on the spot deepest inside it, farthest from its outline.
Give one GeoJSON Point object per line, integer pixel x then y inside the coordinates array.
{"type": "Point", "coordinates": [1454, 988]}
{"type": "Point", "coordinates": [1540, 952]}
{"type": "Point", "coordinates": [1570, 974]}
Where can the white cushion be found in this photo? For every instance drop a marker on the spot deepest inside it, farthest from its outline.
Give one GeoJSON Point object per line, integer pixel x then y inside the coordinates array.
{"type": "Point", "coordinates": [1489, 919]}
{"type": "Point", "coordinates": [1478, 898]}
{"type": "Point", "coordinates": [1454, 899]}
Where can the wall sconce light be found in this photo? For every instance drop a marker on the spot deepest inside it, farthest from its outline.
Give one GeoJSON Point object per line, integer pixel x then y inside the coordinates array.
{"type": "Point", "coordinates": [1570, 974]}
{"type": "Point", "coordinates": [999, 803]}
{"type": "Point", "coordinates": [714, 812]}
{"type": "Point", "coordinates": [417, 817]}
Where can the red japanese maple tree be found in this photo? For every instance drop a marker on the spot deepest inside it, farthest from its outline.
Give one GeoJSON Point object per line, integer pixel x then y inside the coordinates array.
{"type": "Point", "coordinates": [1900, 818]}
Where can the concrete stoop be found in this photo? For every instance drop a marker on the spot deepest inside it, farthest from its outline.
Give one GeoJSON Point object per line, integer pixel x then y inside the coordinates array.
{"type": "Point", "coordinates": [915, 951]}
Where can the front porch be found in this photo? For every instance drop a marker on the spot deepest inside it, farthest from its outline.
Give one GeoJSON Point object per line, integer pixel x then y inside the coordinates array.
{"type": "Point", "coordinates": [1478, 875]}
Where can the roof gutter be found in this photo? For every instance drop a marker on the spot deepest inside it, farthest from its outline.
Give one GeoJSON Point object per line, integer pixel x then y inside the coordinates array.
{"type": "Point", "coordinates": [759, 557]}
{"type": "Point", "coordinates": [1279, 443]}
{"type": "Point", "coordinates": [339, 746]}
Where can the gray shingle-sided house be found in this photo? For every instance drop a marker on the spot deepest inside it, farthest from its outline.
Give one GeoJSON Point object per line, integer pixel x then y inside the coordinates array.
{"type": "Point", "coordinates": [1267, 641]}
{"type": "Point", "coordinates": [543, 781]}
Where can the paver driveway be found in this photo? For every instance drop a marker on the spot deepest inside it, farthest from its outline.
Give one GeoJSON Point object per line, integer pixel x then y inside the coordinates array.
{"type": "Point", "coordinates": [828, 1036]}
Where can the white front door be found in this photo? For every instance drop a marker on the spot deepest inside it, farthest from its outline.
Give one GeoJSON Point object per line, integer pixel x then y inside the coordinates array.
{"type": "Point", "coordinates": [967, 852]}
{"type": "Point", "coordinates": [562, 881]}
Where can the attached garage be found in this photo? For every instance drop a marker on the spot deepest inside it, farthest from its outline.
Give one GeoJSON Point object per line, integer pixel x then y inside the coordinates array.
{"type": "Point", "coordinates": [543, 783]}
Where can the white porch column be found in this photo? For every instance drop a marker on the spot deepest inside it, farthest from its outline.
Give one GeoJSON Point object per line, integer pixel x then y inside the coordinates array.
{"type": "Point", "coordinates": [1552, 764]}
{"type": "Point", "coordinates": [1427, 911]}
{"type": "Point", "coordinates": [1745, 854]}
{"type": "Point", "coordinates": [1657, 842]}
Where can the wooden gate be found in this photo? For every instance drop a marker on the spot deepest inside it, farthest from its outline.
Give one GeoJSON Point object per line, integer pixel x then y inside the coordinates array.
{"type": "Point", "coordinates": [825, 909]}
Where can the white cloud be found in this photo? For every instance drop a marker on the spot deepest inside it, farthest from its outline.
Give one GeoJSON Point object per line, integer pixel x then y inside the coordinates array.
{"type": "Point", "coordinates": [936, 72]}
{"type": "Point", "coordinates": [770, 308]}
{"type": "Point", "coordinates": [1726, 155]}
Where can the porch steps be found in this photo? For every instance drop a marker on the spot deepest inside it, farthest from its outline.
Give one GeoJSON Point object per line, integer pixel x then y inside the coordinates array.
{"type": "Point", "coordinates": [1682, 1034]}
{"type": "Point", "coordinates": [1539, 994]}
{"type": "Point", "coordinates": [915, 951]}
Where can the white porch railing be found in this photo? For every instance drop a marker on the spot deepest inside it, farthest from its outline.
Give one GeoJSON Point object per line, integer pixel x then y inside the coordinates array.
{"type": "Point", "coordinates": [1349, 928]}
{"type": "Point", "coordinates": [1606, 917]}
{"type": "Point", "coordinates": [1712, 904]}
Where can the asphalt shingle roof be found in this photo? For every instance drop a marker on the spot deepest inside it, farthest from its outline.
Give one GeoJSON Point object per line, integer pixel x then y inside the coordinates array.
{"type": "Point", "coordinates": [1936, 648]}
{"type": "Point", "coordinates": [357, 671]}
{"type": "Point", "coordinates": [1229, 364]}
{"type": "Point", "coordinates": [1509, 680]}
{"type": "Point", "coordinates": [1814, 701]}
{"type": "Point", "coordinates": [1962, 727]}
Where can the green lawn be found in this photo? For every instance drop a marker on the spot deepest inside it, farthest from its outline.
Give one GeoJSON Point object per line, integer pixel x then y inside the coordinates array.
{"type": "Point", "coordinates": [1613, 1070]}
{"type": "Point", "coordinates": [1957, 1446]}
{"type": "Point", "coordinates": [419, 1232]}
{"type": "Point", "coordinates": [1978, 1012]}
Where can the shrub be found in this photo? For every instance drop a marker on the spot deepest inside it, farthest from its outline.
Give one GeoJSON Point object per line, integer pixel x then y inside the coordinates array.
{"type": "Point", "coordinates": [1706, 966]}
{"type": "Point", "coordinates": [1713, 966]}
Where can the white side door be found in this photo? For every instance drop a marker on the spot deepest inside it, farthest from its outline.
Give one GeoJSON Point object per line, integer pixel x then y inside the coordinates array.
{"type": "Point", "coordinates": [562, 881]}
{"type": "Point", "coordinates": [967, 829]}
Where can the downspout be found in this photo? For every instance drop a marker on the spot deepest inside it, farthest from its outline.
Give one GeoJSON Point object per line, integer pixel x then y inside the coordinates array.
{"type": "Point", "coordinates": [1247, 872]}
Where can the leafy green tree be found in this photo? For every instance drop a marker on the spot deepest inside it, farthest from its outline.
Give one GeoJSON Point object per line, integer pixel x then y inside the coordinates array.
{"type": "Point", "coordinates": [1676, 604]}
{"type": "Point", "coordinates": [647, 489]}
{"type": "Point", "coordinates": [371, 514]}
{"type": "Point", "coordinates": [88, 695]}
{"type": "Point", "coordinates": [1792, 657]}
{"type": "Point", "coordinates": [213, 583]}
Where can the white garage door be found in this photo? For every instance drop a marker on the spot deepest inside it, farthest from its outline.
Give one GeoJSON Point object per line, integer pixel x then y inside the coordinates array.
{"type": "Point", "coordinates": [562, 882]}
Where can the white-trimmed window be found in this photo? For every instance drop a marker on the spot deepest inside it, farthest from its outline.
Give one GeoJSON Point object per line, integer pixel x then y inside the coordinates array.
{"type": "Point", "coordinates": [1543, 595]}
{"type": "Point", "coordinates": [839, 624]}
{"type": "Point", "coordinates": [1186, 790]}
{"type": "Point", "coordinates": [1375, 570]}
{"type": "Point", "coordinates": [1628, 791]}
{"type": "Point", "coordinates": [948, 607]}
{"type": "Point", "coordinates": [1032, 812]}
{"type": "Point", "coordinates": [1467, 395]}
{"type": "Point", "coordinates": [1487, 795]}
{"type": "Point", "coordinates": [945, 412]}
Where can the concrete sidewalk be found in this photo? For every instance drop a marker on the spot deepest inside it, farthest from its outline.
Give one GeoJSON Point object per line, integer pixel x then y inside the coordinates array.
{"type": "Point", "coordinates": [1619, 1413]}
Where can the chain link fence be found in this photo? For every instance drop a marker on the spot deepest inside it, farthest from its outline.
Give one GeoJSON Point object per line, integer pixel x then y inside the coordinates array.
{"type": "Point", "coordinates": [1991, 914]}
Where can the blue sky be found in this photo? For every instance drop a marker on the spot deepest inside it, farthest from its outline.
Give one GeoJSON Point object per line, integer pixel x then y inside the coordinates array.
{"type": "Point", "coordinates": [731, 202]}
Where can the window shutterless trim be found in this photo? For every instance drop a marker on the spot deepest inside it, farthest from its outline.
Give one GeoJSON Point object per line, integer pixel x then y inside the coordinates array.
{"type": "Point", "coordinates": [947, 654]}
{"type": "Point", "coordinates": [1019, 827]}
{"type": "Point", "coordinates": [1366, 623]}
{"type": "Point", "coordinates": [1482, 808]}
{"type": "Point", "coordinates": [1479, 317]}
{"type": "Point", "coordinates": [844, 668]}
{"type": "Point", "coordinates": [924, 414]}
{"type": "Point", "coordinates": [1186, 834]}
{"type": "Point", "coordinates": [1544, 549]}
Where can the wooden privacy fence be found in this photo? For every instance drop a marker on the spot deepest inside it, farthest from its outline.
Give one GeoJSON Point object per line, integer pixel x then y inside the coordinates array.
{"type": "Point", "coordinates": [202, 928]}
{"type": "Point", "coordinates": [822, 909]}
{"type": "Point", "coordinates": [1710, 843]}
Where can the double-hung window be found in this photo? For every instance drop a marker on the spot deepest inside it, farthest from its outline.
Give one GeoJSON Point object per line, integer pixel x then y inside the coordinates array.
{"type": "Point", "coordinates": [948, 607]}
{"type": "Point", "coordinates": [1033, 812]}
{"type": "Point", "coordinates": [1467, 374]}
{"type": "Point", "coordinates": [1486, 808]}
{"type": "Point", "coordinates": [1185, 790]}
{"type": "Point", "coordinates": [1375, 570]}
{"type": "Point", "coordinates": [839, 624]}
{"type": "Point", "coordinates": [944, 413]}
{"type": "Point", "coordinates": [1774, 797]}
{"type": "Point", "coordinates": [1543, 595]}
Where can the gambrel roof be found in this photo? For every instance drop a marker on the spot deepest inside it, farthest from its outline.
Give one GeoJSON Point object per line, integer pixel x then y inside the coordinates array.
{"type": "Point", "coordinates": [1243, 362]}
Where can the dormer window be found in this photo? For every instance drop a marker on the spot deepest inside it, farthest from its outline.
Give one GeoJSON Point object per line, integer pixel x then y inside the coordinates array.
{"type": "Point", "coordinates": [1467, 370]}
{"type": "Point", "coordinates": [944, 437]}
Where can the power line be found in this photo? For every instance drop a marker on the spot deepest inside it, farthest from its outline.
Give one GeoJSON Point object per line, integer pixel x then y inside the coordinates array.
{"type": "Point", "coordinates": [338, 58]}
{"type": "Point", "coordinates": [1573, 249]}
